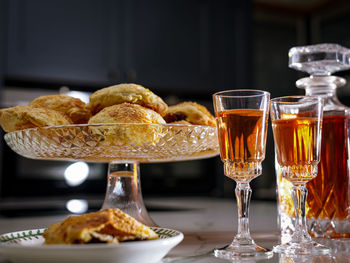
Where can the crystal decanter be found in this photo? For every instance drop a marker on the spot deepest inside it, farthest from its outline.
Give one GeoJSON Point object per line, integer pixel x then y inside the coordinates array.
{"type": "Point", "coordinates": [328, 200]}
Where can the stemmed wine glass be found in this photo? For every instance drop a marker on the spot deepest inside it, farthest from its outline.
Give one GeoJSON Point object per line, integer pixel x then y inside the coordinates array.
{"type": "Point", "coordinates": [296, 125]}
{"type": "Point", "coordinates": [242, 119]}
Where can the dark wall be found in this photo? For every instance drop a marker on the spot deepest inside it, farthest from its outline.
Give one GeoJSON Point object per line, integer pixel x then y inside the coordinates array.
{"type": "Point", "coordinates": [3, 39]}
{"type": "Point", "coordinates": [333, 27]}
{"type": "Point", "coordinates": [191, 47]}
{"type": "Point", "coordinates": [3, 48]}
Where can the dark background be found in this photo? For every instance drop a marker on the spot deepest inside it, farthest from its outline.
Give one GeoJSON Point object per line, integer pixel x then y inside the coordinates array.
{"type": "Point", "coordinates": [181, 50]}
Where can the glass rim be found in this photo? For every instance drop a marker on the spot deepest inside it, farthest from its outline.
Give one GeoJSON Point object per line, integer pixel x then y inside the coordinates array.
{"type": "Point", "coordinates": [222, 93]}
{"type": "Point", "coordinates": [288, 99]}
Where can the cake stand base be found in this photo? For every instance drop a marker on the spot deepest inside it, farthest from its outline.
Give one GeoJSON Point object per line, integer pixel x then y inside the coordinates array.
{"type": "Point", "coordinates": [124, 191]}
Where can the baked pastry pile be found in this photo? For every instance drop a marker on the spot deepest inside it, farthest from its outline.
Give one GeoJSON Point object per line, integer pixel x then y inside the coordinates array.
{"type": "Point", "coordinates": [123, 103]}
{"type": "Point", "coordinates": [105, 226]}
{"type": "Point", "coordinates": [51, 110]}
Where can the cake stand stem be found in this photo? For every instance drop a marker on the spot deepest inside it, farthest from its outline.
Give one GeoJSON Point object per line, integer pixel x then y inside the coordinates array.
{"type": "Point", "coordinates": [124, 191]}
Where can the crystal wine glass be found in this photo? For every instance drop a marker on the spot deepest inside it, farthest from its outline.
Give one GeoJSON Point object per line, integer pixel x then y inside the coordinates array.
{"type": "Point", "coordinates": [296, 125]}
{"type": "Point", "coordinates": [242, 119]}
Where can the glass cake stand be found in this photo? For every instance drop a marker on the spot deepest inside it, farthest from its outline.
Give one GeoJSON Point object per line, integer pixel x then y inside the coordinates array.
{"type": "Point", "coordinates": [123, 146]}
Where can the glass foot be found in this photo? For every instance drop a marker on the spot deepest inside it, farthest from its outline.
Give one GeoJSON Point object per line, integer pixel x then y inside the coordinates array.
{"type": "Point", "coordinates": [303, 248]}
{"type": "Point", "coordinates": [233, 252]}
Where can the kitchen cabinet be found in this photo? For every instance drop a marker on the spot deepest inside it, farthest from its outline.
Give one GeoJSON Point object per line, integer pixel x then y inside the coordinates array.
{"type": "Point", "coordinates": [167, 42]}
{"type": "Point", "coordinates": [162, 44]}
{"type": "Point", "coordinates": [66, 40]}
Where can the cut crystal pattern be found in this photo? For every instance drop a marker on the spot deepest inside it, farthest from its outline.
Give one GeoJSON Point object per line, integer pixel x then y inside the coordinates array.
{"type": "Point", "coordinates": [109, 142]}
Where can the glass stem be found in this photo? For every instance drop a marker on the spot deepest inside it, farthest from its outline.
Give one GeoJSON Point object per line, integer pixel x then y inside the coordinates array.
{"type": "Point", "coordinates": [124, 191]}
{"type": "Point", "coordinates": [243, 195]}
{"type": "Point", "coordinates": [299, 194]}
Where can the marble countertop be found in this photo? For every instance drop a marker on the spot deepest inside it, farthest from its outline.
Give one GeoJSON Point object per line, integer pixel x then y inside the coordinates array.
{"type": "Point", "coordinates": [206, 223]}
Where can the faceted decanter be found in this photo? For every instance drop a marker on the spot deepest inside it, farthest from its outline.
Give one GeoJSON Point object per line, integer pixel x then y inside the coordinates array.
{"type": "Point", "coordinates": [328, 200]}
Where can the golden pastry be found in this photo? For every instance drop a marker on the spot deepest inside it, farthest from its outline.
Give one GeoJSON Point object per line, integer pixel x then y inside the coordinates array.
{"type": "Point", "coordinates": [131, 93]}
{"type": "Point", "coordinates": [129, 134]}
{"type": "Point", "coordinates": [191, 112]}
{"type": "Point", "coordinates": [105, 226]}
{"type": "Point", "coordinates": [126, 113]}
{"type": "Point", "coordinates": [74, 108]}
{"type": "Point", "coordinates": [24, 117]}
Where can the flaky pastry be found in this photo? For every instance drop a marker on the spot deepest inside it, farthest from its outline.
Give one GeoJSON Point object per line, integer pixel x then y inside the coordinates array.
{"type": "Point", "coordinates": [131, 93]}
{"type": "Point", "coordinates": [191, 112]}
{"type": "Point", "coordinates": [23, 117]}
{"type": "Point", "coordinates": [105, 226]}
{"type": "Point", "coordinates": [126, 113]}
{"type": "Point", "coordinates": [128, 133]}
{"type": "Point", "coordinates": [74, 108]}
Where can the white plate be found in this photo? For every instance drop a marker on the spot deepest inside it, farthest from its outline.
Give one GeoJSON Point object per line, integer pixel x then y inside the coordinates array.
{"type": "Point", "coordinates": [27, 246]}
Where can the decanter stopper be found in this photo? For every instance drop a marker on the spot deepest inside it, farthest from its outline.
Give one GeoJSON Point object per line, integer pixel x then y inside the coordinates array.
{"type": "Point", "coordinates": [320, 60]}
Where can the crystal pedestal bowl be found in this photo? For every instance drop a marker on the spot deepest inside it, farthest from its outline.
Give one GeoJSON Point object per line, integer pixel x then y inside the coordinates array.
{"type": "Point", "coordinates": [123, 146]}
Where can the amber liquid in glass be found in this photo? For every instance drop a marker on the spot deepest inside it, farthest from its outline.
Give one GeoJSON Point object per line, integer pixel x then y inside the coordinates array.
{"type": "Point", "coordinates": [296, 148]}
{"type": "Point", "coordinates": [242, 140]}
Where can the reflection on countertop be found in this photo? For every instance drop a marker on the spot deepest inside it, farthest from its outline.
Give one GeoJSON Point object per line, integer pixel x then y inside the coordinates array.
{"type": "Point", "coordinates": [207, 223]}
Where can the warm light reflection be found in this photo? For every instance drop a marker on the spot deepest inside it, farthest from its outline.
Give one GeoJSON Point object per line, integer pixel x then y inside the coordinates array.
{"type": "Point", "coordinates": [83, 96]}
{"type": "Point", "coordinates": [77, 206]}
{"type": "Point", "coordinates": [76, 173]}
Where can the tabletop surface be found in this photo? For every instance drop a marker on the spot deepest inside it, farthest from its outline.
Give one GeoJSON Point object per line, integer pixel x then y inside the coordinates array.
{"type": "Point", "coordinates": [207, 223]}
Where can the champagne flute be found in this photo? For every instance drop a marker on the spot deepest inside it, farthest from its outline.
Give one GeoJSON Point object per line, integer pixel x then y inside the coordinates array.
{"type": "Point", "coordinates": [296, 125]}
{"type": "Point", "coordinates": [242, 119]}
